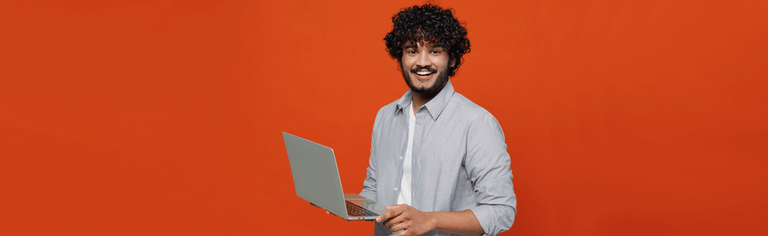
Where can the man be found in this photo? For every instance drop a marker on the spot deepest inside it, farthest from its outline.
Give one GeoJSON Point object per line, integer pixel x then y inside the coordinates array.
{"type": "Point", "coordinates": [437, 160]}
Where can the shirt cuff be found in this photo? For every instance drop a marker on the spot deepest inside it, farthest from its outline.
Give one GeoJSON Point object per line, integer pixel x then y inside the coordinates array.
{"type": "Point", "coordinates": [483, 215]}
{"type": "Point", "coordinates": [489, 219]}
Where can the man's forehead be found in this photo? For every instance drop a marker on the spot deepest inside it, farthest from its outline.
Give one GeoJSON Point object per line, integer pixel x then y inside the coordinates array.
{"type": "Point", "coordinates": [421, 43]}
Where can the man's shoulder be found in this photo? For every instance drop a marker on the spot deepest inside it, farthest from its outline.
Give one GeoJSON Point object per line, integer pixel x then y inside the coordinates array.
{"type": "Point", "coordinates": [466, 107]}
{"type": "Point", "coordinates": [390, 108]}
{"type": "Point", "coordinates": [476, 117]}
{"type": "Point", "coordinates": [386, 112]}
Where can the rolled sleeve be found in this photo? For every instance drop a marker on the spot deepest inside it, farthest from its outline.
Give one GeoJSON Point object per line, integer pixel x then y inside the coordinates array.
{"type": "Point", "coordinates": [488, 166]}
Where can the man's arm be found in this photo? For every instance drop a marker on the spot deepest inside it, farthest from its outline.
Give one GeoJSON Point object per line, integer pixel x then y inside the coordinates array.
{"type": "Point", "coordinates": [415, 222]}
{"type": "Point", "coordinates": [369, 185]}
{"type": "Point", "coordinates": [488, 166]}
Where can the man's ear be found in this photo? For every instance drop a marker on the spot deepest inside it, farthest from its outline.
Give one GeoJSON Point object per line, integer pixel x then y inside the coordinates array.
{"type": "Point", "coordinates": [453, 63]}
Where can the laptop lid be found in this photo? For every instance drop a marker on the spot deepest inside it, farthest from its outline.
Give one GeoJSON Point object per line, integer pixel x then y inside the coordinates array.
{"type": "Point", "coordinates": [315, 174]}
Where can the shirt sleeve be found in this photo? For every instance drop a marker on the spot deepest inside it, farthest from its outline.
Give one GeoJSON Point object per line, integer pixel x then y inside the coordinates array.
{"type": "Point", "coordinates": [369, 185]}
{"type": "Point", "coordinates": [488, 166]}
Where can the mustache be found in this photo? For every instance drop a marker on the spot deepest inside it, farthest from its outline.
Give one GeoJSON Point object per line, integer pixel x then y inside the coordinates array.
{"type": "Point", "coordinates": [420, 68]}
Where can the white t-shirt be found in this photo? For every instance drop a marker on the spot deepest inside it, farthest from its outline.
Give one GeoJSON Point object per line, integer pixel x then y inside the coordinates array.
{"type": "Point", "coordinates": [405, 184]}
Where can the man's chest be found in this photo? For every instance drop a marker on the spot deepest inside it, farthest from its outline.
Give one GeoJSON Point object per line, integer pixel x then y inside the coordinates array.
{"type": "Point", "coordinates": [437, 148]}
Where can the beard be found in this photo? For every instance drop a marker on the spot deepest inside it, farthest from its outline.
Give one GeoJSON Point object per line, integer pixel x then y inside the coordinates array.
{"type": "Point", "coordinates": [441, 80]}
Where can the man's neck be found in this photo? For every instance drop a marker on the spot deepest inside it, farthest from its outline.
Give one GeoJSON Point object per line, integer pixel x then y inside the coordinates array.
{"type": "Point", "coordinates": [419, 99]}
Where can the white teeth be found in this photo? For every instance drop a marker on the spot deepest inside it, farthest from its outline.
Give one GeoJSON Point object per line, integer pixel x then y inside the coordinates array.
{"type": "Point", "coordinates": [422, 73]}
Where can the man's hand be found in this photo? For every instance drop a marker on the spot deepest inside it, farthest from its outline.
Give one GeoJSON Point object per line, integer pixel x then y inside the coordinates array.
{"type": "Point", "coordinates": [408, 219]}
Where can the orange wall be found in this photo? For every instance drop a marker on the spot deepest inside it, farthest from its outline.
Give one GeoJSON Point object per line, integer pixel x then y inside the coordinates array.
{"type": "Point", "coordinates": [164, 117]}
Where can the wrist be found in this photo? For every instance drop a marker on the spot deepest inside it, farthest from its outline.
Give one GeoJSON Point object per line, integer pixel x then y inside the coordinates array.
{"type": "Point", "coordinates": [434, 221]}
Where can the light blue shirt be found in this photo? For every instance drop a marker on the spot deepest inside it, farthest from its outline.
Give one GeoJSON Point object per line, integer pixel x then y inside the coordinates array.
{"type": "Point", "coordinates": [460, 160]}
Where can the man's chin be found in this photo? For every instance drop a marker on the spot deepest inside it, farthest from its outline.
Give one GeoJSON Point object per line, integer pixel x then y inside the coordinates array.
{"type": "Point", "coordinates": [424, 89]}
{"type": "Point", "coordinates": [425, 86]}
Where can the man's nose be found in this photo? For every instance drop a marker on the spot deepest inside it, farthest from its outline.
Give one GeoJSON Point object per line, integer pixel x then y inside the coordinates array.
{"type": "Point", "coordinates": [423, 60]}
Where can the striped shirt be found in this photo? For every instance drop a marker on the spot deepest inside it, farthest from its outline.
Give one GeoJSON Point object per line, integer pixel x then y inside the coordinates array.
{"type": "Point", "coordinates": [459, 160]}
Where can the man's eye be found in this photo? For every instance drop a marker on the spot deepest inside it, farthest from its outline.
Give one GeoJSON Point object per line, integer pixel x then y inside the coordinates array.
{"type": "Point", "coordinates": [437, 51]}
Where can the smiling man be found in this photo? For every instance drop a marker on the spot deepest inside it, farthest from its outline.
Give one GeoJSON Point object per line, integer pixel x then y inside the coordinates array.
{"type": "Point", "coordinates": [438, 160]}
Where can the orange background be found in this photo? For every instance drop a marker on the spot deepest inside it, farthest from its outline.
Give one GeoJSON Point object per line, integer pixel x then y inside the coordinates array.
{"type": "Point", "coordinates": [164, 117]}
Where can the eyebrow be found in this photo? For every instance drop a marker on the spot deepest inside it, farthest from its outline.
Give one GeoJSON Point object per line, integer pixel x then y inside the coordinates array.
{"type": "Point", "coordinates": [431, 46]}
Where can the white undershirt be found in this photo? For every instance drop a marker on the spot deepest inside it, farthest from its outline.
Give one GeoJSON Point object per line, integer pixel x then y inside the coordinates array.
{"type": "Point", "coordinates": [405, 184]}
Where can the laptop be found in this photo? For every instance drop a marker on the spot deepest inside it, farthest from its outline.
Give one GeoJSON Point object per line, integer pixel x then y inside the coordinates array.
{"type": "Point", "coordinates": [316, 179]}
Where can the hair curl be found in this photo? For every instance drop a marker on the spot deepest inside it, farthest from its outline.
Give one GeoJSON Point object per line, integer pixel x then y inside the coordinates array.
{"type": "Point", "coordinates": [428, 23]}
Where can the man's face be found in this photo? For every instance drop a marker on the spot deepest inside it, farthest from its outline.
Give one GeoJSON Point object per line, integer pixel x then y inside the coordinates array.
{"type": "Point", "coordinates": [425, 67]}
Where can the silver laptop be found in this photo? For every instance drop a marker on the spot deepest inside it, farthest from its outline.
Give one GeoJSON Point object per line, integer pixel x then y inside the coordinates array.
{"type": "Point", "coordinates": [316, 179]}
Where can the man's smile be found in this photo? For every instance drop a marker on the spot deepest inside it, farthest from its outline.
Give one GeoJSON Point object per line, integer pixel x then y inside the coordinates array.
{"type": "Point", "coordinates": [421, 71]}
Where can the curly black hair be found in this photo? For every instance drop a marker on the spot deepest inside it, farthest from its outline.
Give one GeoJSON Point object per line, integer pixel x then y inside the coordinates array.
{"type": "Point", "coordinates": [428, 23]}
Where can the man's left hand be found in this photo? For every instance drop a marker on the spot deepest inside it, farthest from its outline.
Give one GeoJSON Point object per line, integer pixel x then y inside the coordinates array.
{"type": "Point", "coordinates": [408, 219]}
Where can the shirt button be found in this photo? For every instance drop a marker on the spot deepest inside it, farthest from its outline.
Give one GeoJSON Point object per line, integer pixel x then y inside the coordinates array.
{"type": "Point", "coordinates": [401, 157]}
{"type": "Point", "coordinates": [395, 189]}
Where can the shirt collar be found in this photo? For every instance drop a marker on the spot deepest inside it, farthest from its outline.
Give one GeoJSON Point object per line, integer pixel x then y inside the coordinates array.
{"type": "Point", "coordinates": [435, 106]}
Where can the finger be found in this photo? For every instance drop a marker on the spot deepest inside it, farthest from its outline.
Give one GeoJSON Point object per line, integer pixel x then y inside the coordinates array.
{"type": "Point", "coordinates": [393, 221]}
{"type": "Point", "coordinates": [397, 211]}
{"type": "Point", "coordinates": [397, 220]}
{"type": "Point", "coordinates": [403, 233]}
{"type": "Point", "coordinates": [383, 217]}
{"type": "Point", "coordinates": [391, 212]}
{"type": "Point", "coordinates": [393, 207]}
{"type": "Point", "coordinates": [398, 227]}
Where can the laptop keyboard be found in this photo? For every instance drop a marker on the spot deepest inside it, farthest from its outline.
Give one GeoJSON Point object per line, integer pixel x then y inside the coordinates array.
{"type": "Point", "coordinates": [355, 210]}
